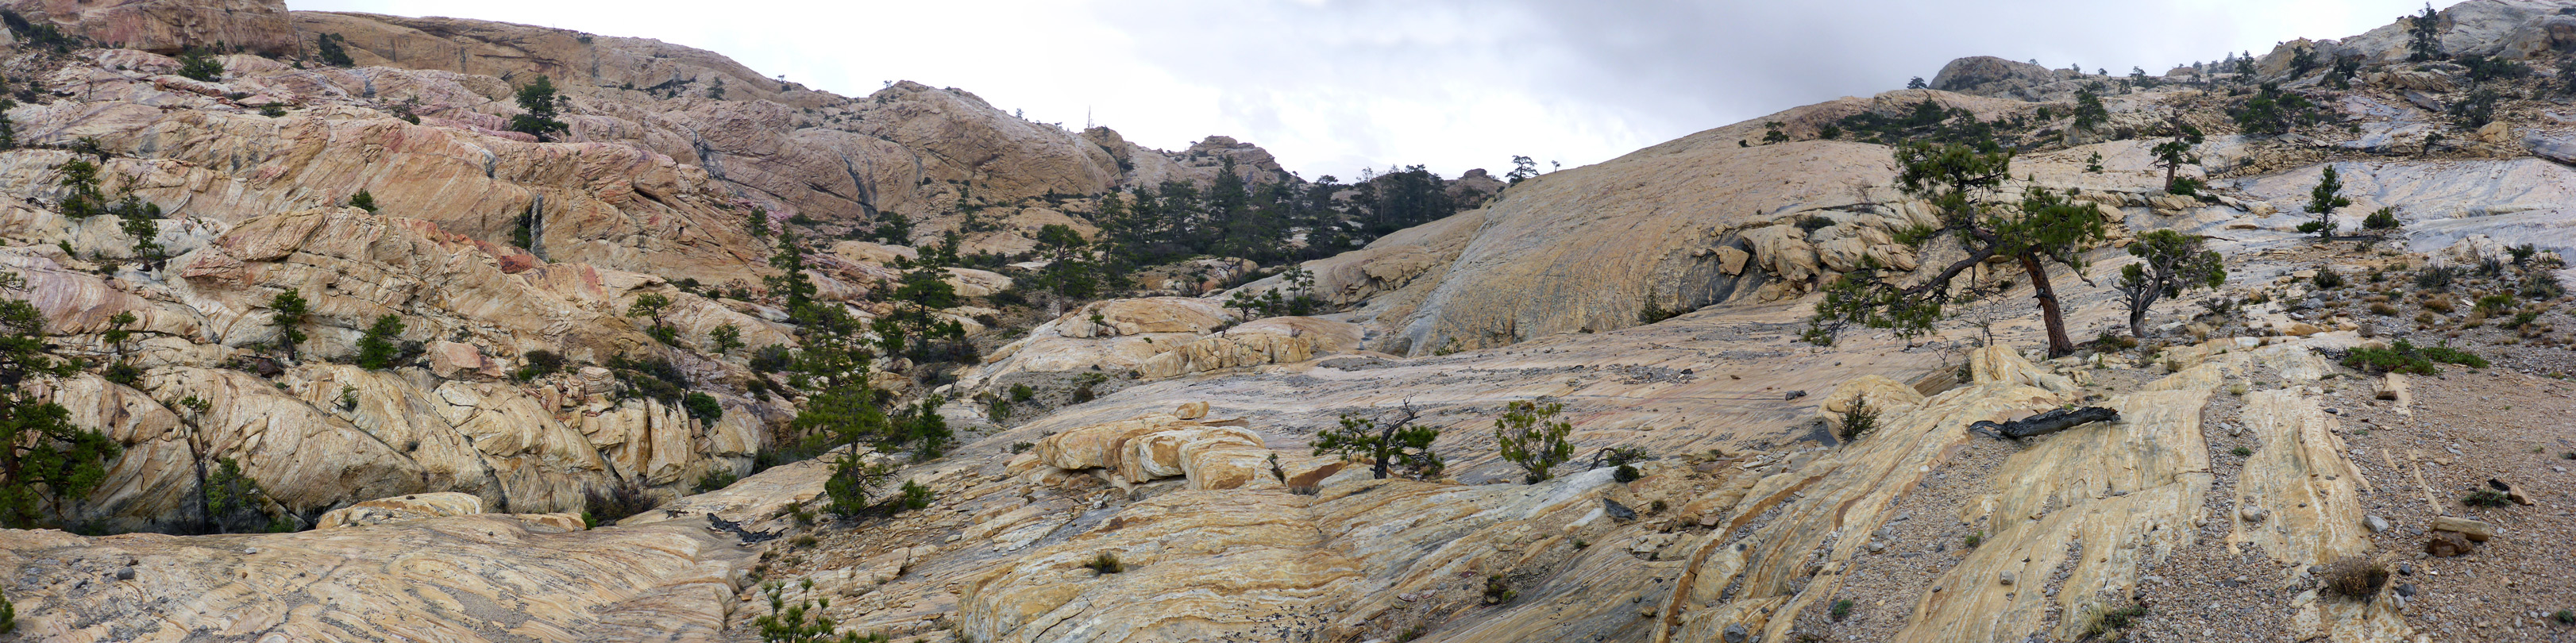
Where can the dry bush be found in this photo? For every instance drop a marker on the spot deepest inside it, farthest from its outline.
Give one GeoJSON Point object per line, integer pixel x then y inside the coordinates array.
{"type": "Point", "coordinates": [2355, 578]}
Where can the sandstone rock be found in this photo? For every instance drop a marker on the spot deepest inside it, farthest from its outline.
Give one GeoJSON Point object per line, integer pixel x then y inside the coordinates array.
{"type": "Point", "coordinates": [2252, 514]}
{"type": "Point", "coordinates": [169, 26]}
{"type": "Point", "coordinates": [2446, 544]}
{"type": "Point", "coordinates": [1150, 315]}
{"type": "Point", "coordinates": [1192, 410]}
{"type": "Point", "coordinates": [1882, 393]}
{"type": "Point", "coordinates": [453, 360]}
{"type": "Point", "coordinates": [664, 582]}
{"type": "Point", "coordinates": [864, 252]}
{"type": "Point", "coordinates": [402, 508]}
{"type": "Point", "coordinates": [977, 283]}
{"type": "Point", "coordinates": [2477, 531]}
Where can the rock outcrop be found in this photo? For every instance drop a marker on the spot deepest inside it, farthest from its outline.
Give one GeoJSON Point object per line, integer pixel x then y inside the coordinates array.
{"type": "Point", "coordinates": [171, 26]}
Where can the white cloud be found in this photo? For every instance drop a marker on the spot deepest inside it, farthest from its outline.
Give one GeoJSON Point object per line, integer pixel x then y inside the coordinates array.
{"type": "Point", "coordinates": [1335, 85]}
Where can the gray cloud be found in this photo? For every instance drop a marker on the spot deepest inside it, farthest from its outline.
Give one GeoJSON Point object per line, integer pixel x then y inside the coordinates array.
{"type": "Point", "coordinates": [1336, 85]}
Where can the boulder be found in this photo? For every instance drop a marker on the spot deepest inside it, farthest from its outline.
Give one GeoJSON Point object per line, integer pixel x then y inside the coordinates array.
{"type": "Point", "coordinates": [1163, 446]}
{"type": "Point", "coordinates": [2446, 544]}
{"type": "Point", "coordinates": [1991, 76]}
{"type": "Point", "coordinates": [2477, 531]}
{"type": "Point", "coordinates": [1149, 315]}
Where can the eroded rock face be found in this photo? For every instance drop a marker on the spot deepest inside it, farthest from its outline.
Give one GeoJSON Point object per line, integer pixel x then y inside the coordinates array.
{"type": "Point", "coordinates": [170, 26]}
{"type": "Point", "coordinates": [462, 578]}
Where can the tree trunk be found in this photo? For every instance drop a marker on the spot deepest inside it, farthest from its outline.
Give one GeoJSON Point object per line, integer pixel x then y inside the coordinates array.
{"type": "Point", "coordinates": [1385, 450]}
{"type": "Point", "coordinates": [2138, 315]}
{"type": "Point", "coordinates": [2058, 344]}
{"type": "Point", "coordinates": [2169, 176]}
{"type": "Point", "coordinates": [197, 456]}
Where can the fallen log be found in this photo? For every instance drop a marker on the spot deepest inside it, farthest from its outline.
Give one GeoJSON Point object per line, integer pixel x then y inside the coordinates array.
{"type": "Point", "coordinates": [2053, 421]}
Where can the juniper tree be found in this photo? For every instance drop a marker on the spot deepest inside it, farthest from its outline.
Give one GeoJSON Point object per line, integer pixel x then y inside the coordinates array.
{"type": "Point", "coordinates": [2169, 263]}
{"type": "Point", "coordinates": [1529, 435]}
{"type": "Point", "coordinates": [2176, 152]}
{"type": "Point", "coordinates": [1961, 182]}
{"type": "Point", "coordinates": [2322, 201]}
{"type": "Point", "coordinates": [650, 306]}
{"type": "Point", "coordinates": [334, 51]}
{"type": "Point", "coordinates": [1384, 445]}
{"type": "Point", "coordinates": [2382, 222]}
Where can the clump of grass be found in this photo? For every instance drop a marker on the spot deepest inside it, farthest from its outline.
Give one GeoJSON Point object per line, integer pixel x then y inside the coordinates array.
{"type": "Point", "coordinates": [1975, 538]}
{"type": "Point", "coordinates": [2116, 620]}
{"type": "Point", "coordinates": [1105, 563]}
{"type": "Point", "coordinates": [2241, 452]}
{"type": "Point", "coordinates": [1842, 609]}
{"type": "Point", "coordinates": [2383, 309]}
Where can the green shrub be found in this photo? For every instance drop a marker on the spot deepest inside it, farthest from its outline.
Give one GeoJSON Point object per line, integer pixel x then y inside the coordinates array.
{"type": "Point", "coordinates": [2328, 279]}
{"type": "Point", "coordinates": [2116, 620]}
{"type": "Point", "coordinates": [2241, 452]}
{"type": "Point", "coordinates": [377, 350]}
{"type": "Point", "coordinates": [1497, 590]}
{"type": "Point", "coordinates": [916, 496]}
{"type": "Point", "coordinates": [1859, 420]}
{"type": "Point", "coordinates": [703, 407]}
{"type": "Point", "coordinates": [716, 479]}
{"type": "Point", "coordinates": [2487, 498]}
{"type": "Point", "coordinates": [2436, 277]}
{"type": "Point", "coordinates": [196, 64]}
{"type": "Point", "coordinates": [1842, 609]}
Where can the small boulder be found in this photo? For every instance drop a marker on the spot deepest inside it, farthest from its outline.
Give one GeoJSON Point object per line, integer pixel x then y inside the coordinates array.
{"type": "Point", "coordinates": [2375, 523]}
{"type": "Point", "coordinates": [2474, 530]}
{"type": "Point", "coordinates": [2252, 514]}
{"type": "Point", "coordinates": [2446, 544]}
{"type": "Point", "coordinates": [1192, 410]}
{"type": "Point", "coordinates": [2006, 578]}
{"type": "Point", "coordinates": [1736, 633]}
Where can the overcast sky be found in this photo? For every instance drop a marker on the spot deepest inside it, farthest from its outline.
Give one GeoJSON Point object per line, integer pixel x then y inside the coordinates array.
{"type": "Point", "coordinates": [1331, 86]}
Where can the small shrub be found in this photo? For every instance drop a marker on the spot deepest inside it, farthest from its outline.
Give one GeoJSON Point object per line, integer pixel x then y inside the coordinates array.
{"type": "Point", "coordinates": [1022, 393]}
{"type": "Point", "coordinates": [703, 407]}
{"type": "Point", "coordinates": [1022, 447]}
{"type": "Point", "coordinates": [2383, 309]}
{"type": "Point", "coordinates": [2563, 617]}
{"type": "Point", "coordinates": [1842, 609]}
{"type": "Point", "coordinates": [1859, 420]}
{"type": "Point", "coordinates": [1975, 538]}
{"type": "Point", "coordinates": [1497, 591]}
{"type": "Point", "coordinates": [2448, 355]}
{"type": "Point", "coordinates": [614, 502]}
{"type": "Point", "coordinates": [2328, 279]}
{"type": "Point", "coordinates": [916, 496]}
{"type": "Point", "coordinates": [2116, 620]}
{"type": "Point", "coordinates": [2435, 277]}
{"type": "Point", "coordinates": [1625, 473]}
{"type": "Point", "coordinates": [2496, 304]}
{"type": "Point", "coordinates": [1812, 223]}
{"type": "Point", "coordinates": [716, 479]}
{"type": "Point", "coordinates": [2487, 498]}
{"type": "Point", "coordinates": [2355, 578]}
{"type": "Point", "coordinates": [1105, 563]}
{"type": "Point", "coordinates": [2241, 452]}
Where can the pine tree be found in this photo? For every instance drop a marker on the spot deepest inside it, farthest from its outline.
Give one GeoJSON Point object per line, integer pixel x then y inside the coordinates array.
{"type": "Point", "coordinates": [2169, 263]}
{"type": "Point", "coordinates": [1959, 182]}
{"type": "Point", "coordinates": [2176, 152]}
{"type": "Point", "coordinates": [287, 312]}
{"type": "Point", "coordinates": [2424, 36]}
{"type": "Point", "coordinates": [2322, 201]}
{"type": "Point", "coordinates": [334, 51]}
{"type": "Point", "coordinates": [376, 350]}
{"type": "Point", "coordinates": [45, 461]}
{"type": "Point", "coordinates": [541, 103]}
{"type": "Point", "coordinates": [2089, 112]}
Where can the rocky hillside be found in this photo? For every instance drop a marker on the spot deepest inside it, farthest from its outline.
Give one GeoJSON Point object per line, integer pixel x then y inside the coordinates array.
{"type": "Point", "coordinates": [2352, 439]}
